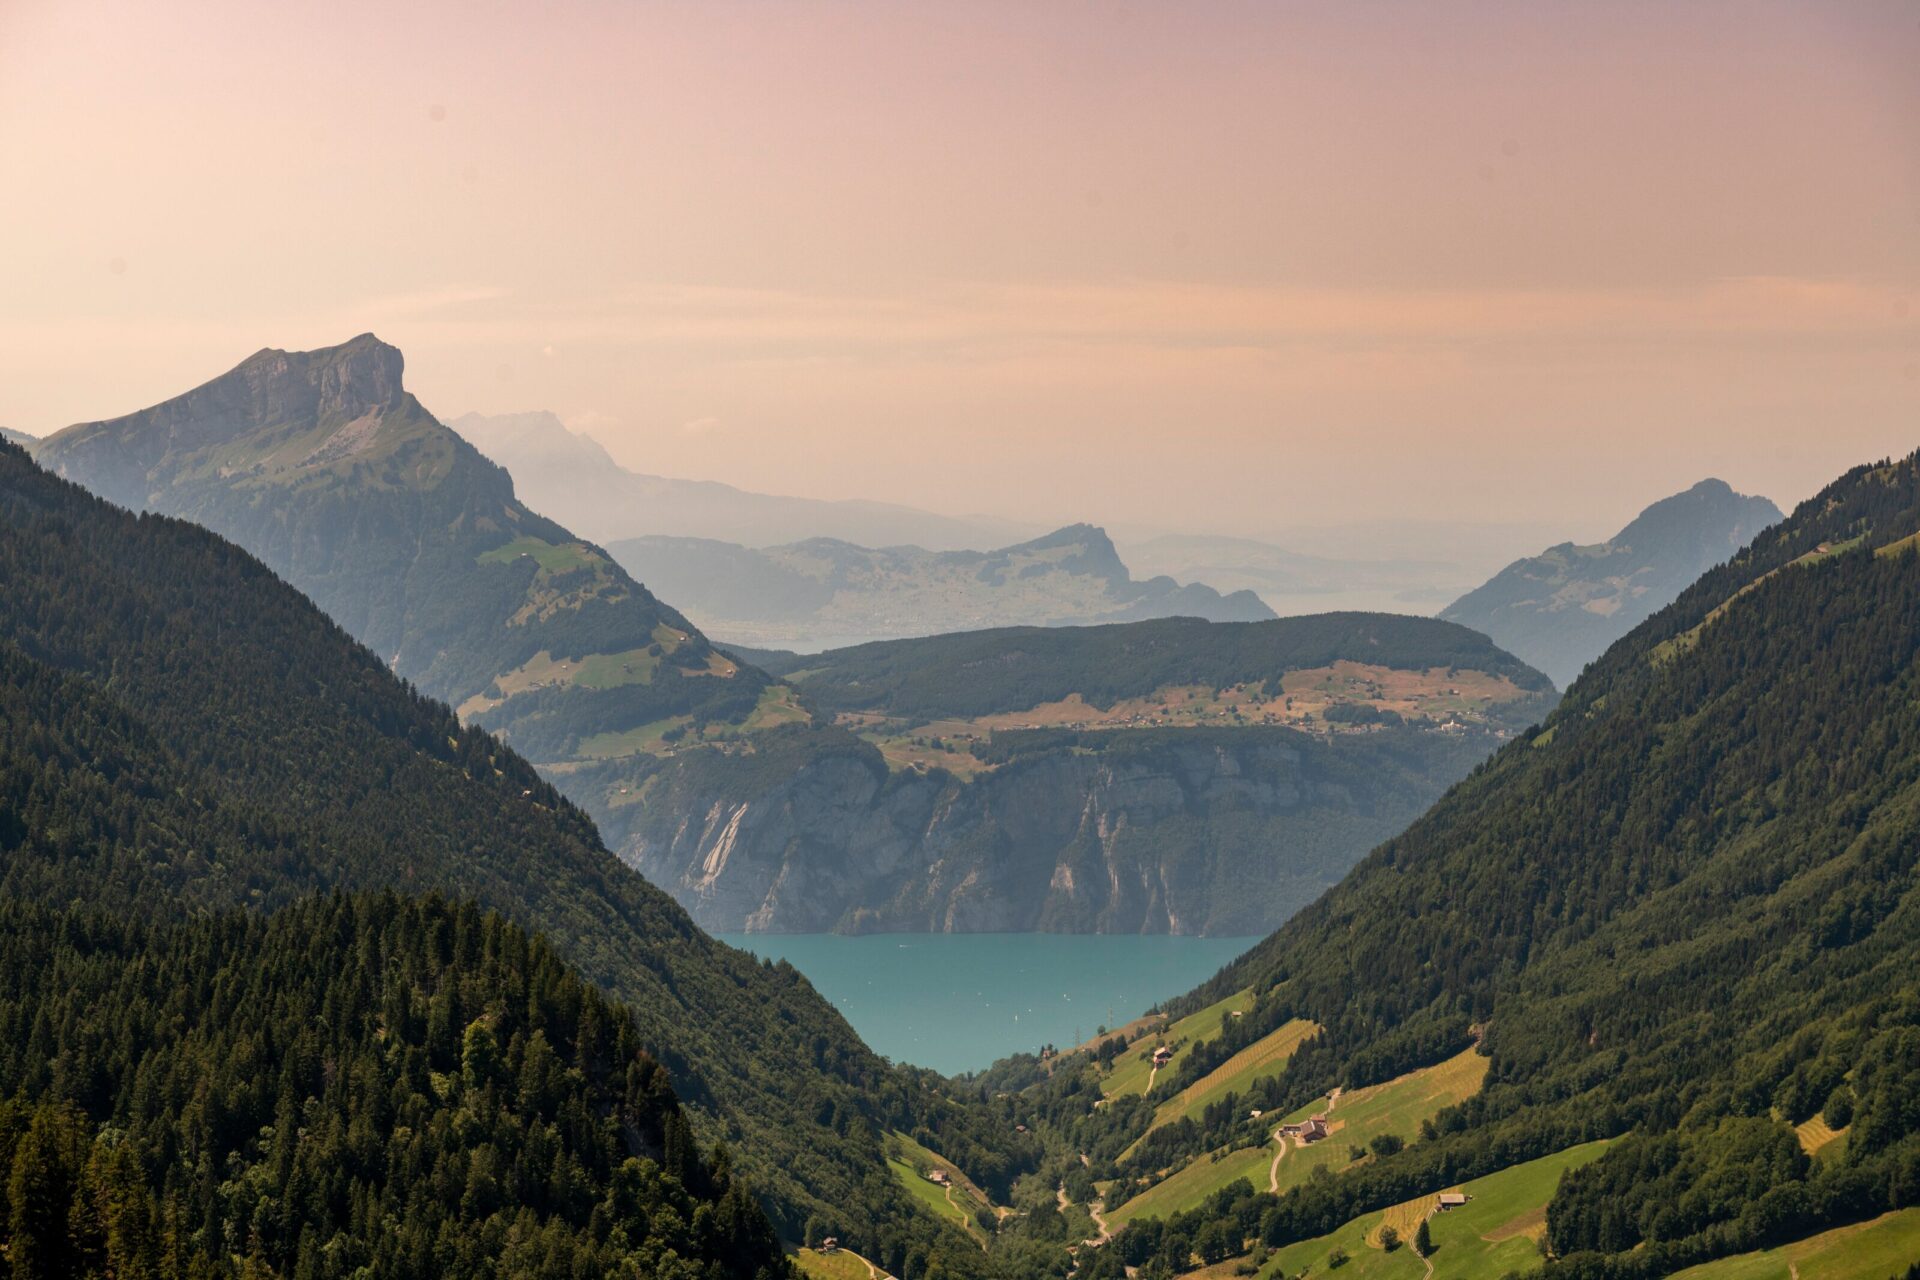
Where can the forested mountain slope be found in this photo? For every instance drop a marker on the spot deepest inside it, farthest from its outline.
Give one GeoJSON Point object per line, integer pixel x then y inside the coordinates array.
{"type": "Point", "coordinates": [373, 1086]}
{"type": "Point", "coordinates": [1008, 669]}
{"type": "Point", "coordinates": [1172, 775]}
{"type": "Point", "coordinates": [181, 731]}
{"type": "Point", "coordinates": [324, 466]}
{"type": "Point", "coordinates": [1683, 915]}
{"type": "Point", "coordinates": [824, 592]}
{"type": "Point", "coordinates": [1561, 609]}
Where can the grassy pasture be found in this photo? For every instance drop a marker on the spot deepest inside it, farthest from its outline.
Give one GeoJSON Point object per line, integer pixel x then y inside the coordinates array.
{"type": "Point", "coordinates": [1875, 1250]}
{"type": "Point", "coordinates": [1132, 1069]}
{"type": "Point", "coordinates": [1264, 1057]}
{"type": "Point", "coordinates": [553, 558]}
{"type": "Point", "coordinates": [778, 705]}
{"type": "Point", "coordinates": [1300, 702]}
{"type": "Point", "coordinates": [1816, 1135]}
{"type": "Point", "coordinates": [931, 1197]}
{"type": "Point", "coordinates": [1396, 1107]}
{"type": "Point", "coordinates": [1494, 1233]}
{"type": "Point", "coordinates": [627, 742]}
{"type": "Point", "coordinates": [907, 1158]}
{"type": "Point", "coordinates": [838, 1265]}
{"type": "Point", "coordinates": [1197, 1181]}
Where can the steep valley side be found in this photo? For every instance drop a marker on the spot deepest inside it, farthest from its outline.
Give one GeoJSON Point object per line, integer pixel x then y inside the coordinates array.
{"type": "Point", "coordinates": [1218, 832]}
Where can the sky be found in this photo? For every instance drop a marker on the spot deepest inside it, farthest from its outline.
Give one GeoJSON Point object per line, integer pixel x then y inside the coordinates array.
{"type": "Point", "coordinates": [1214, 267]}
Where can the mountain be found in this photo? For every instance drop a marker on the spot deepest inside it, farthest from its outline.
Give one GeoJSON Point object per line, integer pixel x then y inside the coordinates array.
{"type": "Point", "coordinates": [1644, 982]}
{"type": "Point", "coordinates": [1293, 583]}
{"type": "Point", "coordinates": [324, 466]}
{"type": "Point", "coordinates": [20, 438]}
{"type": "Point", "coordinates": [1016, 669]}
{"type": "Point", "coordinates": [824, 593]}
{"type": "Point", "coordinates": [336, 1061]}
{"type": "Point", "coordinates": [1560, 609]}
{"type": "Point", "coordinates": [1164, 776]}
{"type": "Point", "coordinates": [562, 470]}
{"type": "Point", "coordinates": [182, 733]}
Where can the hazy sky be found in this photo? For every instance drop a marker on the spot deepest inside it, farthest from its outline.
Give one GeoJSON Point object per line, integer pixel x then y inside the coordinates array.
{"type": "Point", "coordinates": [1219, 266]}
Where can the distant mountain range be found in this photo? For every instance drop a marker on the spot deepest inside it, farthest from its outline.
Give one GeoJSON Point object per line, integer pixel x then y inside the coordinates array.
{"type": "Point", "coordinates": [561, 470]}
{"type": "Point", "coordinates": [323, 465]}
{"type": "Point", "coordinates": [20, 438]}
{"type": "Point", "coordinates": [1290, 582]}
{"type": "Point", "coordinates": [1560, 610]}
{"type": "Point", "coordinates": [822, 593]}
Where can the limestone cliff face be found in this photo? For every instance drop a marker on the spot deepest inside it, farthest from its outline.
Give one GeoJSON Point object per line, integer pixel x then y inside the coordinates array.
{"type": "Point", "coordinates": [1224, 834]}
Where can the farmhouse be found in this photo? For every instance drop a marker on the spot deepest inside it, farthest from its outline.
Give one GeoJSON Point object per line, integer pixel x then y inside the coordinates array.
{"type": "Point", "coordinates": [1162, 1056]}
{"type": "Point", "coordinates": [938, 1177]}
{"type": "Point", "coordinates": [1452, 1200]}
{"type": "Point", "coordinates": [1306, 1130]}
{"type": "Point", "coordinates": [830, 1245]}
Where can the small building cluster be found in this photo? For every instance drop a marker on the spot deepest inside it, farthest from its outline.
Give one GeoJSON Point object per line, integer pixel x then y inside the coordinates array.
{"type": "Point", "coordinates": [1162, 1056]}
{"type": "Point", "coordinates": [939, 1177]}
{"type": "Point", "coordinates": [1311, 1130]}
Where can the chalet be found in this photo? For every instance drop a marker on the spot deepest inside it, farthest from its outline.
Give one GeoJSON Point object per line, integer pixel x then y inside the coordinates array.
{"type": "Point", "coordinates": [939, 1178]}
{"type": "Point", "coordinates": [1306, 1130]}
{"type": "Point", "coordinates": [830, 1245]}
{"type": "Point", "coordinates": [1452, 1200]}
{"type": "Point", "coordinates": [1162, 1056]}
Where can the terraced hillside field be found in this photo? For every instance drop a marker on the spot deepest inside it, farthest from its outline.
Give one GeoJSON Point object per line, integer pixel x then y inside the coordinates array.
{"type": "Point", "coordinates": [957, 1202]}
{"type": "Point", "coordinates": [1265, 1057]}
{"type": "Point", "coordinates": [1881, 1248]}
{"type": "Point", "coordinates": [1354, 1119]}
{"type": "Point", "coordinates": [1133, 1070]}
{"type": "Point", "coordinates": [1393, 1109]}
{"type": "Point", "coordinates": [1495, 1232]}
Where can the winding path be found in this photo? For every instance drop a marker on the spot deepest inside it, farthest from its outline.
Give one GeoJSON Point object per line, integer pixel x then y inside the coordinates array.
{"type": "Point", "coordinates": [1273, 1170]}
{"type": "Point", "coordinates": [966, 1219]}
{"type": "Point", "coordinates": [873, 1272]}
{"type": "Point", "coordinates": [1106, 1232]}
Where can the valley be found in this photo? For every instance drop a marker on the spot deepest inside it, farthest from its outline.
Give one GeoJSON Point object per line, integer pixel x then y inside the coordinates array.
{"type": "Point", "coordinates": [960, 641]}
{"type": "Point", "coordinates": [1370, 1087]}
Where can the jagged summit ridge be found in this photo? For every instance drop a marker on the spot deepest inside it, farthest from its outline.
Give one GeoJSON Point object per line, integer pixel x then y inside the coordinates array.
{"type": "Point", "coordinates": [345, 382]}
{"type": "Point", "coordinates": [273, 411]}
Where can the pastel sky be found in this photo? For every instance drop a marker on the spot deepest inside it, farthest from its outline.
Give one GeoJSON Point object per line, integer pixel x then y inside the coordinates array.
{"type": "Point", "coordinates": [1215, 266]}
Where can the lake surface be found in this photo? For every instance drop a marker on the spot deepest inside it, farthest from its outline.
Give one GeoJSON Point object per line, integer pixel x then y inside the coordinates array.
{"type": "Point", "coordinates": [959, 1001]}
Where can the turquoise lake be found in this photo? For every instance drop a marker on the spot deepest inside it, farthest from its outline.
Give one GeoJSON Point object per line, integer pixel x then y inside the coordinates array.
{"type": "Point", "coordinates": [959, 1001]}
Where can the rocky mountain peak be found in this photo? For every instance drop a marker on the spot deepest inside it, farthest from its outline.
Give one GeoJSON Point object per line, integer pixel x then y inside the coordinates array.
{"type": "Point", "coordinates": [333, 384]}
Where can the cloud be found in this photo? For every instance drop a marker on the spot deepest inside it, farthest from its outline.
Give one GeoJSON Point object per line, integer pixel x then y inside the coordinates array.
{"type": "Point", "coordinates": [699, 426]}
